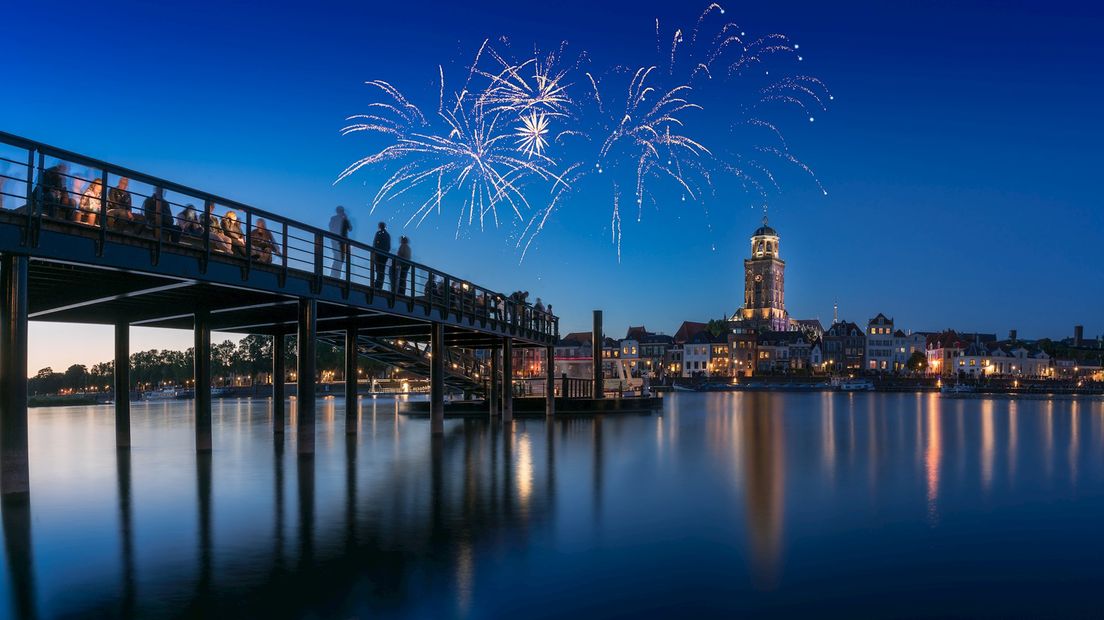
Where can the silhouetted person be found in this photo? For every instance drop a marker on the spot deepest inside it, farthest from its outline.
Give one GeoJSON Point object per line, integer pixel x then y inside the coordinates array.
{"type": "Point", "coordinates": [340, 226]}
{"type": "Point", "coordinates": [119, 214]}
{"type": "Point", "coordinates": [158, 211]}
{"type": "Point", "coordinates": [91, 201]}
{"type": "Point", "coordinates": [401, 268]}
{"type": "Point", "coordinates": [231, 228]}
{"type": "Point", "coordinates": [189, 222]}
{"type": "Point", "coordinates": [264, 244]}
{"type": "Point", "coordinates": [51, 195]}
{"type": "Point", "coordinates": [382, 242]}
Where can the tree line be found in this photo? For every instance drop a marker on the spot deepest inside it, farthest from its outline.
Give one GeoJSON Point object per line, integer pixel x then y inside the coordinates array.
{"type": "Point", "coordinates": [250, 360]}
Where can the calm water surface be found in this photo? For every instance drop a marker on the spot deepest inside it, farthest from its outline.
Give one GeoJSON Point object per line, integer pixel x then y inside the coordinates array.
{"type": "Point", "coordinates": [723, 505]}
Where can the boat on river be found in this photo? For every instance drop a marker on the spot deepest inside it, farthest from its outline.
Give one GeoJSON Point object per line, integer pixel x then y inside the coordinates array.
{"type": "Point", "coordinates": [856, 385]}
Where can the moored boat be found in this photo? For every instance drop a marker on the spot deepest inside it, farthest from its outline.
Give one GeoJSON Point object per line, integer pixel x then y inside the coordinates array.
{"type": "Point", "coordinates": [856, 385]}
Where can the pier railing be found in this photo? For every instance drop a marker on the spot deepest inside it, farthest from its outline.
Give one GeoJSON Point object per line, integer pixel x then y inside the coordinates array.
{"type": "Point", "coordinates": [43, 186]}
{"type": "Point", "coordinates": [565, 387]}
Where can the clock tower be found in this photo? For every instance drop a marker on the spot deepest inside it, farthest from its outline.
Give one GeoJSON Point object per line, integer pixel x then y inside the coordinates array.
{"type": "Point", "coordinates": [764, 282]}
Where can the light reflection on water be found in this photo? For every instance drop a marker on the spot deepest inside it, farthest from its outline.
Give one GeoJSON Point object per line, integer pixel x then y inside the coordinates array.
{"type": "Point", "coordinates": [834, 504]}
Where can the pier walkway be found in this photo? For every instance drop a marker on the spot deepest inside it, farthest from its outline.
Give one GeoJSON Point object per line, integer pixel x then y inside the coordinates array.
{"type": "Point", "coordinates": [86, 241]}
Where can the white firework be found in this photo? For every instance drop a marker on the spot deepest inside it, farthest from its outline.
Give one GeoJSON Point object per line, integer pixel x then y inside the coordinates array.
{"type": "Point", "coordinates": [531, 134]}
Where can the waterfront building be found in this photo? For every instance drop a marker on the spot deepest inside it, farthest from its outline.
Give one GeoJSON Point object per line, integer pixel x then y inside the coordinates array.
{"type": "Point", "coordinates": [764, 283]}
{"type": "Point", "coordinates": [783, 351]}
{"type": "Point", "coordinates": [672, 360]}
{"type": "Point", "coordinates": [653, 353]}
{"type": "Point", "coordinates": [630, 353]}
{"type": "Point", "coordinates": [742, 351]}
{"type": "Point", "coordinates": [696, 355]}
{"type": "Point", "coordinates": [816, 357]}
{"type": "Point", "coordinates": [720, 356]}
{"type": "Point", "coordinates": [844, 347]}
{"type": "Point", "coordinates": [574, 345]}
{"type": "Point", "coordinates": [943, 350]}
{"type": "Point", "coordinates": [688, 330]}
{"type": "Point", "coordinates": [812, 327]}
{"type": "Point", "coordinates": [1020, 360]}
{"type": "Point", "coordinates": [880, 352]}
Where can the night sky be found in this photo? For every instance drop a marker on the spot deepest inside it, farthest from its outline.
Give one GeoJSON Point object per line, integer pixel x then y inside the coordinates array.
{"type": "Point", "coordinates": [960, 155]}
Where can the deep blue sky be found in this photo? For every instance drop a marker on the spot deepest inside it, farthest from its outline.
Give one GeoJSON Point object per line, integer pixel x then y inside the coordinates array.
{"type": "Point", "coordinates": [961, 153]}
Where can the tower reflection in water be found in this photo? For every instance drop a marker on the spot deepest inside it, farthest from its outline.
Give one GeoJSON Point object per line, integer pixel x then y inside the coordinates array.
{"type": "Point", "coordinates": [764, 453]}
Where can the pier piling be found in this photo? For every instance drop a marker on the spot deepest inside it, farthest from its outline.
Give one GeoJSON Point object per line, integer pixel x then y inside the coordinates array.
{"type": "Point", "coordinates": [507, 379]}
{"type": "Point", "coordinates": [122, 384]}
{"type": "Point", "coordinates": [550, 381]}
{"type": "Point", "coordinates": [279, 350]}
{"type": "Point", "coordinates": [15, 476]}
{"type": "Point", "coordinates": [596, 354]}
{"type": "Point", "coordinates": [437, 379]}
{"type": "Point", "coordinates": [351, 406]}
{"type": "Point", "coordinates": [202, 353]}
{"type": "Point", "coordinates": [308, 331]}
{"type": "Point", "coordinates": [492, 392]}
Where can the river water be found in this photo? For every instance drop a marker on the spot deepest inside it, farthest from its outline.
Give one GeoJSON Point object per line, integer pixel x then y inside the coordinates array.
{"type": "Point", "coordinates": [844, 505]}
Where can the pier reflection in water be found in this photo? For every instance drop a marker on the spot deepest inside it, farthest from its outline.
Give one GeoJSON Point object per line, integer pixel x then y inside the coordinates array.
{"type": "Point", "coordinates": [838, 504]}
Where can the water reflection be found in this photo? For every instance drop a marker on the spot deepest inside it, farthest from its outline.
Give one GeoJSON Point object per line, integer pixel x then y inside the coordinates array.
{"type": "Point", "coordinates": [126, 531]}
{"type": "Point", "coordinates": [933, 456]}
{"type": "Point", "coordinates": [754, 495]}
{"type": "Point", "coordinates": [18, 553]}
{"type": "Point", "coordinates": [764, 486]}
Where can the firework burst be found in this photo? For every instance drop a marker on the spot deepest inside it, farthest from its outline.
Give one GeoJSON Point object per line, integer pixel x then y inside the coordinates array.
{"type": "Point", "coordinates": [522, 135]}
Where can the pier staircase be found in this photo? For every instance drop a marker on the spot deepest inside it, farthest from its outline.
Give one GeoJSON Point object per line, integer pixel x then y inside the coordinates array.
{"type": "Point", "coordinates": [463, 370]}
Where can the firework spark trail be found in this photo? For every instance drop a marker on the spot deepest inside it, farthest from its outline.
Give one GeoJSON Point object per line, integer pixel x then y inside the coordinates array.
{"type": "Point", "coordinates": [615, 222]}
{"type": "Point", "coordinates": [539, 123]}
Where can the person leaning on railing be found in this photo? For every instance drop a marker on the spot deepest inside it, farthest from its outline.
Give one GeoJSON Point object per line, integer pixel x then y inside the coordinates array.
{"type": "Point", "coordinates": [263, 243]}
{"type": "Point", "coordinates": [90, 202]}
{"type": "Point", "coordinates": [119, 214]}
{"type": "Point", "coordinates": [51, 196]}
{"type": "Point", "coordinates": [157, 211]}
{"type": "Point", "coordinates": [189, 222]}
{"type": "Point", "coordinates": [400, 268]}
{"type": "Point", "coordinates": [219, 242]}
{"type": "Point", "coordinates": [232, 229]}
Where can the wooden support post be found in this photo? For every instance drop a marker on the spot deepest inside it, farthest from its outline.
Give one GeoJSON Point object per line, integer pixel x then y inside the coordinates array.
{"type": "Point", "coordinates": [352, 409]}
{"type": "Point", "coordinates": [279, 351]}
{"type": "Point", "coordinates": [15, 479]}
{"type": "Point", "coordinates": [550, 381]}
{"type": "Point", "coordinates": [202, 376]}
{"type": "Point", "coordinates": [437, 379]}
{"type": "Point", "coordinates": [596, 354]}
{"type": "Point", "coordinates": [122, 384]}
{"type": "Point", "coordinates": [492, 391]}
{"type": "Point", "coordinates": [507, 380]}
{"type": "Point", "coordinates": [308, 328]}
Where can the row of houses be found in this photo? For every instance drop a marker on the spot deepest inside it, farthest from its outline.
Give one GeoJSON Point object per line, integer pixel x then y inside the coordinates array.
{"type": "Point", "coordinates": [726, 349]}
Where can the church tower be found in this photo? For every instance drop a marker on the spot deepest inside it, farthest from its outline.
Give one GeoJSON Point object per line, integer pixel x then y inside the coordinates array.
{"type": "Point", "coordinates": [764, 282]}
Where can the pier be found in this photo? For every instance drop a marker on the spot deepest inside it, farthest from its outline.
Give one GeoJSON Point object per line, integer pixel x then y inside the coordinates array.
{"type": "Point", "coordinates": [64, 258]}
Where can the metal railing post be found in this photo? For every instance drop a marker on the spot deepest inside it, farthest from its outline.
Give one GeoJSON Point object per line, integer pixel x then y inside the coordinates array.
{"type": "Point", "coordinates": [348, 268]}
{"type": "Point", "coordinates": [286, 252]}
{"type": "Point", "coordinates": [103, 212]}
{"type": "Point", "coordinates": [319, 262]}
{"type": "Point", "coordinates": [248, 242]}
{"type": "Point", "coordinates": [208, 213]}
{"type": "Point", "coordinates": [30, 194]}
{"type": "Point", "coordinates": [159, 232]}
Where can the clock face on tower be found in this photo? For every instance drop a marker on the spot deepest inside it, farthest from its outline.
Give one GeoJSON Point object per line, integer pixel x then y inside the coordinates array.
{"type": "Point", "coordinates": [758, 277]}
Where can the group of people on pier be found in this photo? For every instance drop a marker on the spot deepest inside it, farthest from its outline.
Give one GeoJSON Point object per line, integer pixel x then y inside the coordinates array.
{"type": "Point", "coordinates": [58, 195]}
{"type": "Point", "coordinates": [53, 198]}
